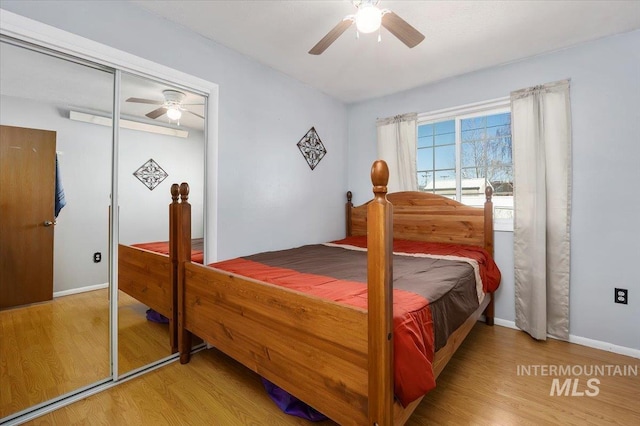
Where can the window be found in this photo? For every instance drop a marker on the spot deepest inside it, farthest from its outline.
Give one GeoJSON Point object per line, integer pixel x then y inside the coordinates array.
{"type": "Point", "coordinates": [462, 151]}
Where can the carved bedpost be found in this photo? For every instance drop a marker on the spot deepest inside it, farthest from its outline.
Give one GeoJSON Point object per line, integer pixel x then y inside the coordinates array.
{"type": "Point", "coordinates": [173, 255]}
{"type": "Point", "coordinates": [488, 220]}
{"type": "Point", "coordinates": [183, 238]}
{"type": "Point", "coordinates": [488, 246]}
{"type": "Point", "coordinates": [348, 208]}
{"type": "Point", "coordinates": [380, 298]}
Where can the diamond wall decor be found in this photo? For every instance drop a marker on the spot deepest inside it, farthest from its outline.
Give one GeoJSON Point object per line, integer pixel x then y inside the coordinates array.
{"type": "Point", "coordinates": [150, 174]}
{"type": "Point", "coordinates": [312, 148]}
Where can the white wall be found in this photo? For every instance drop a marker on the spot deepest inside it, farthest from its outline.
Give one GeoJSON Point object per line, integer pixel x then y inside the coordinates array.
{"type": "Point", "coordinates": [605, 88]}
{"type": "Point", "coordinates": [268, 197]}
{"type": "Point", "coordinates": [85, 165]}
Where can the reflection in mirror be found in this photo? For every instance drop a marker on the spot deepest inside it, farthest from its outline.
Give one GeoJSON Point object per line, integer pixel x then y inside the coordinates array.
{"type": "Point", "coordinates": [161, 142]}
{"type": "Point", "coordinates": [54, 275]}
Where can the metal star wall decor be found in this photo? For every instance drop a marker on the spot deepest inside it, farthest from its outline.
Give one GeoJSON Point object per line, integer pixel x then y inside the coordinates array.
{"type": "Point", "coordinates": [312, 148]}
{"type": "Point", "coordinates": [150, 174]}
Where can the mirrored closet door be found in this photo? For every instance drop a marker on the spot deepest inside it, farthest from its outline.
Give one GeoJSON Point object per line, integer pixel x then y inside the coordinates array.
{"type": "Point", "coordinates": [161, 142]}
{"type": "Point", "coordinates": [77, 188]}
{"type": "Point", "coordinates": [55, 185]}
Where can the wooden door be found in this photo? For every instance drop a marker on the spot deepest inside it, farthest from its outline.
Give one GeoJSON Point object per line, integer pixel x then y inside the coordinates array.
{"type": "Point", "coordinates": [27, 185]}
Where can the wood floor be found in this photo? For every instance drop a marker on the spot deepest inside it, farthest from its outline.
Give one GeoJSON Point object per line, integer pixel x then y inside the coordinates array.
{"type": "Point", "coordinates": [480, 386]}
{"type": "Point", "coordinates": [51, 348]}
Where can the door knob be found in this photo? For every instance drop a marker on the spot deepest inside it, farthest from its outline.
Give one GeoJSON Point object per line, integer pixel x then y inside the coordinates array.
{"type": "Point", "coordinates": [48, 223]}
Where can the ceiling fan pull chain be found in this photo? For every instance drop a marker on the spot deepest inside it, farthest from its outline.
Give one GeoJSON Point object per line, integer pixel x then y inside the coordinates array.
{"type": "Point", "coordinates": [379, 36]}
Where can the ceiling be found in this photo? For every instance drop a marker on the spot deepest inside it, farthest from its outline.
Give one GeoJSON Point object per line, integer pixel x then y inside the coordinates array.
{"type": "Point", "coordinates": [461, 36]}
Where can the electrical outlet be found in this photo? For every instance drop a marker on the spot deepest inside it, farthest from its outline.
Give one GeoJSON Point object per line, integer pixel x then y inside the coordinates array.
{"type": "Point", "coordinates": [97, 257]}
{"type": "Point", "coordinates": [621, 295]}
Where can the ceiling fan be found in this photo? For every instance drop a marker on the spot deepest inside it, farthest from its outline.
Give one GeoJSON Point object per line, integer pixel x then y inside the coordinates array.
{"type": "Point", "coordinates": [368, 19]}
{"type": "Point", "coordinates": [172, 105]}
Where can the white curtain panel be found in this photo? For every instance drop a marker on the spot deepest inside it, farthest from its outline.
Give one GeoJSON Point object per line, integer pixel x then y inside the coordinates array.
{"type": "Point", "coordinates": [397, 146]}
{"type": "Point", "coordinates": [541, 131]}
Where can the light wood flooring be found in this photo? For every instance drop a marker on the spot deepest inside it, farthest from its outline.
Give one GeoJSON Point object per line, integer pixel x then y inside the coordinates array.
{"type": "Point", "coordinates": [51, 348]}
{"type": "Point", "coordinates": [480, 386]}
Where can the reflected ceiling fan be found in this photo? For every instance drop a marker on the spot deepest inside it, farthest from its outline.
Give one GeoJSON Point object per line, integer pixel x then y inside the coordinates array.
{"type": "Point", "coordinates": [172, 105]}
{"type": "Point", "coordinates": [368, 19]}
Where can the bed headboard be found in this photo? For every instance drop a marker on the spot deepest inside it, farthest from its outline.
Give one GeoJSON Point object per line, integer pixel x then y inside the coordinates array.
{"type": "Point", "coordinates": [422, 216]}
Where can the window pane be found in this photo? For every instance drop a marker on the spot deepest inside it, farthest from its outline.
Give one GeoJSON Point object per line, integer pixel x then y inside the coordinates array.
{"type": "Point", "coordinates": [473, 188]}
{"type": "Point", "coordinates": [473, 123]}
{"type": "Point", "coordinates": [486, 160]}
{"type": "Point", "coordinates": [445, 183]}
{"type": "Point", "coordinates": [472, 172]}
{"type": "Point", "coordinates": [425, 135]}
{"type": "Point", "coordinates": [499, 119]}
{"type": "Point", "coordinates": [445, 139]}
{"type": "Point", "coordinates": [445, 127]}
{"type": "Point", "coordinates": [425, 141]}
{"type": "Point", "coordinates": [425, 159]}
{"type": "Point", "coordinates": [425, 130]}
{"type": "Point", "coordinates": [472, 154]}
{"type": "Point", "coordinates": [499, 150]}
{"type": "Point", "coordinates": [474, 135]}
{"type": "Point", "coordinates": [502, 180]}
{"type": "Point", "coordinates": [425, 181]}
{"type": "Point", "coordinates": [498, 131]}
{"type": "Point", "coordinates": [445, 157]}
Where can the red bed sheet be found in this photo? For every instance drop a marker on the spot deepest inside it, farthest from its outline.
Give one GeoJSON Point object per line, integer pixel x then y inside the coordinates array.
{"type": "Point", "coordinates": [197, 256]}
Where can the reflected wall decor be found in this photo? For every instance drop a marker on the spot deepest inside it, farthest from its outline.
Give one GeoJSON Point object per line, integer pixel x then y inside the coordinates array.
{"type": "Point", "coordinates": [150, 174]}
{"type": "Point", "coordinates": [312, 148]}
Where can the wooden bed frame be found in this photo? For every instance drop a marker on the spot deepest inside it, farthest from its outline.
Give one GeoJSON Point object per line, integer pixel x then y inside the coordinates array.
{"type": "Point", "coordinates": [337, 358]}
{"type": "Point", "coordinates": [150, 277]}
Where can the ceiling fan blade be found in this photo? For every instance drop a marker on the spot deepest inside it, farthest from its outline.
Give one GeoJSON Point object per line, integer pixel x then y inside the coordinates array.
{"type": "Point", "coordinates": [191, 112]}
{"type": "Point", "coordinates": [331, 36]}
{"type": "Point", "coordinates": [156, 113]}
{"type": "Point", "coordinates": [401, 29]}
{"type": "Point", "coordinates": [145, 101]}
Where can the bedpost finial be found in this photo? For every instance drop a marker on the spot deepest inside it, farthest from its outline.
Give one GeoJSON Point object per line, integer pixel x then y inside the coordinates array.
{"type": "Point", "coordinates": [488, 192]}
{"type": "Point", "coordinates": [175, 189]}
{"type": "Point", "coordinates": [184, 191]}
{"type": "Point", "coordinates": [379, 176]}
{"type": "Point", "coordinates": [349, 196]}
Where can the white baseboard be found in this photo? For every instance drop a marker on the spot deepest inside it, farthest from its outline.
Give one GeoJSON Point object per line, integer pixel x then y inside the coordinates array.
{"type": "Point", "coordinates": [80, 290]}
{"type": "Point", "coordinates": [591, 343]}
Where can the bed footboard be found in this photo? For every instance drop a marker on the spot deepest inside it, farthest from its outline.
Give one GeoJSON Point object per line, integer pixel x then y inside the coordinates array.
{"type": "Point", "coordinates": [312, 348]}
{"type": "Point", "coordinates": [144, 275]}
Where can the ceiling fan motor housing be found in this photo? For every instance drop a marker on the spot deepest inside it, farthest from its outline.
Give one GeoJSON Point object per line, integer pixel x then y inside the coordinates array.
{"type": "Point", "coordinates": [173, 97]}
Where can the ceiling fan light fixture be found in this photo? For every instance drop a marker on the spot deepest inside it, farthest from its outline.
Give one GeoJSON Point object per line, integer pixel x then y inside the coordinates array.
{"type": "Point", "coordinates": [174, 113]}
{"type": "Point", "coordinates": [368, 19]}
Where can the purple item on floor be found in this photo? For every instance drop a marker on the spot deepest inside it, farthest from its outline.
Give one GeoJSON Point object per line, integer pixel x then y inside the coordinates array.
{"type": "Point", "coordinates": [154, 316]}
{"type": "Point", "coordinates": [290, 404]}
